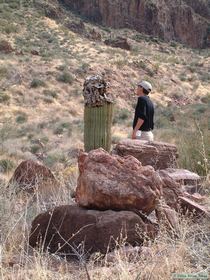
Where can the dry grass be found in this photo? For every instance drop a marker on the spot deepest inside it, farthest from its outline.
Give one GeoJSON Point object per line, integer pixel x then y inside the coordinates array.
{"type": "Point", "coordinates": [188, 252]}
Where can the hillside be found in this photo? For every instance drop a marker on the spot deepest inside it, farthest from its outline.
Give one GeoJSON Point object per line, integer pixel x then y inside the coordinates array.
{"type": "Point", "coordinates": [46, 52]}
{"type": "Point", "coordinates": [42, 80]}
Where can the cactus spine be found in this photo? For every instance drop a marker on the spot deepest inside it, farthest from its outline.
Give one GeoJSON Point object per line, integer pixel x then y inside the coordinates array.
{"type": "Point", "coordinates": [98, 113]}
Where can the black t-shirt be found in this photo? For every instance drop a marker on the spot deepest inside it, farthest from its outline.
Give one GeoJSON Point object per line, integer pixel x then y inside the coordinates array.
{"type": "Point", "coordinates": [145, 111]}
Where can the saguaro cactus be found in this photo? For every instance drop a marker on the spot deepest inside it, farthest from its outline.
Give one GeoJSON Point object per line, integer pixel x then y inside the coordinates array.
{"type": "Point", "coordinates": [98, 114]}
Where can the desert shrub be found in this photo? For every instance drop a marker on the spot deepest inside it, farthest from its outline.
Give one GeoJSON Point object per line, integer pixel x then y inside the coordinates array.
{"type": "Point", "coordinates": [82, 69]}
{"type": "Point", "coordinates": [6, 165]}
{"type": "Point", "coordinates": [121, 115]}
{"type": "Point", "coordinates": [50, 93]}
{"type": "Point", "coordinates": [21, 118]}
{"type": "Point", "coordinates": [62, 127]}
{"type": "Point", "coordinates": [3, 72]}
{"type": "Point", "coordinates": [194, 153]}
{"type": "Point", "coordinates": [37, 83]}
{"type": "Point", "coordinates": [48, 99]}
{"type": "Point", "coordinates": [55, 157]}
{"type": "Point", "coordinates": [4, 97]}
{"type": "Point", "coordinates": [206, 99]}
{"type": "Point", "coordinates": [10, 28]}
{"type": "Point", "coordinates": [34, 149]}
{"type": "Point", "coordinates": [65, 77]}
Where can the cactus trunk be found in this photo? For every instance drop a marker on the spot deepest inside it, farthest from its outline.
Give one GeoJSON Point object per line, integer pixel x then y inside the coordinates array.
{"type": "Point", "coordinates": [97, 127]}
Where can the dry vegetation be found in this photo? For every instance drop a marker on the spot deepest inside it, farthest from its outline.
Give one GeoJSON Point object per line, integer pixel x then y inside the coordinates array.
{"type": "Point", "coordinates": [41, 117]}
{"type": "Point", "coordinates": [186, 252]}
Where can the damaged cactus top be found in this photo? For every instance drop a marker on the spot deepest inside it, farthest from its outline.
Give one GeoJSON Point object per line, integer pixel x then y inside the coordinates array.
{"type": "Point", "coordinates": [95, 91]}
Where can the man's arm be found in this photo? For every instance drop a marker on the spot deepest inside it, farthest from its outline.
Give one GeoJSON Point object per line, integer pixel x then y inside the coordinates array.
{"type": "Point", "coordinates": [138, 125]}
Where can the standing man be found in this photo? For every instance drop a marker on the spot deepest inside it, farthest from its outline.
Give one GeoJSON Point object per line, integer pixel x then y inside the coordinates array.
{"type": "Point", "coordinates": [143, 122]}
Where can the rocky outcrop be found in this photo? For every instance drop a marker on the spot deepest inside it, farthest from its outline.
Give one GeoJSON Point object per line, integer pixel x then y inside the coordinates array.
{"type": "Point", "coordinates": [118, 42]}
{"type": "Point", "coordinates": [176, 198]}
{"type": "Point", "coordinates": [181, 20]}
{"type": "Point", "coordinates": [76, 231]}
{"type": "Point", "coordinates": [157, 154]}
{"type": "Point", "coordinates": [30, 175]}
{"type": "Point", "coordinates": [113, 182]}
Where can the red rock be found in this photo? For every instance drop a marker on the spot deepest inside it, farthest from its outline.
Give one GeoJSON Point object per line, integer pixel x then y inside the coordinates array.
{"type": "Point", "coordinates": [191, 206]}
{"type": "Point", "coordinates": [69, 228]}
{"type": "Point", "coordinates": [113, 182]}
{"type": "Point", "coordinates": [168, 217]}
{"type": "Point", "coordinates": [171, 190]}
{"type": "Point", "coordinates": [157, 154]}
{"type": "Point", "coordinates": [183, 176]}
{"type": "Point", "coordinates": [30, 175]}
{"type": "Point", "coordinates": [184, 21]}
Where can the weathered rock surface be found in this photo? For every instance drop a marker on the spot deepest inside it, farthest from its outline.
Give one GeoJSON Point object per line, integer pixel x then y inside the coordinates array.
{"type": "Point", "coordinates": [118, 42]}
{"type": "Point", "coordinates": [188, 205]}
{"type": "Point", "coordinates": [176, 198]}
{"type": "Point", "coordinates": [30, 175]}
{"type": "Point", "coordinates": [157, 154]}
{"type": "Point", "coordinates": [171, 190]}
{"type": "Point", "coordinates": [183, 176]}
{"type": "Point", "coordinates": [168, 216]}
{"type": "Point", "coordinates": [186, 21]}
{"type": "Point", "coordinates": [113, 182]}
{"type": "Point", "coordinates": [69, 228]}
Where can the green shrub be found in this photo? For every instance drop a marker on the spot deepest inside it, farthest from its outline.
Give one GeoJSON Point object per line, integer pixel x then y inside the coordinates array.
{"type": "Point", "coordinates": [34, 149]}
{"type": "Point", "coordinates": [50, 93]}
{"type": "Point", "coordinates": [21, 118]}
{"type": "Point", "coordinates": [193, 146]}
{"type": "Point", "coordinates": [3, 72]}
{"type": "Point", "coordinates": [37, 83]}
{"type": "Point", "coordinates": [62, 127]}
{"type": "Point", "coordinates": [65, 77]}
{"type": "Point", "coordinates": [121, 115]}
{"type": "Point", "coordinates": [6, 165]}
{"type": "Point", "coordinates": [10, 28]}
{"type": "Point", "coordinates": [4, 97]}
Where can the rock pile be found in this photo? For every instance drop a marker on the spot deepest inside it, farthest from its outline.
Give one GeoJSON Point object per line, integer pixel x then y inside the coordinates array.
{"type": "Point", "coordinates": [115, 196]}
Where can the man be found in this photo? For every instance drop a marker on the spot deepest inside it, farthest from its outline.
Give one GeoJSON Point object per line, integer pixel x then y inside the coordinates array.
{"type": "Point", "coordinates": [143, 122]}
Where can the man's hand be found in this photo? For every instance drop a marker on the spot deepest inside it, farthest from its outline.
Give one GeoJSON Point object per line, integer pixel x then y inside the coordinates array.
{"type": "Point", "coordinates": [138, 125]}
{"type": "Point", "coordinates": [133, 135]}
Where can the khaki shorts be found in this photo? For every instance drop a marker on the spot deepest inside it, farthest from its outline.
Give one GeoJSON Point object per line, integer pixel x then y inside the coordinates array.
{"type": "Point", "coordinates": [145, 135]}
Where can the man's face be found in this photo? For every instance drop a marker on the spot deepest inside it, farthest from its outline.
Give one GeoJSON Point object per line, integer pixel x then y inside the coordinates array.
{"type": "Point", "coordinates": [139, 91]}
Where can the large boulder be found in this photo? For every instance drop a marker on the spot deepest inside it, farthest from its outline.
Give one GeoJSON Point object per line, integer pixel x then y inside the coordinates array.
{"type": "Point", "coordinates": [30, 175]}
{"type": "Point", "coordinates": [73, 230]}
{"type": "Point", "coordinates": [112, 182]}
{"type": "Point", "coordinates": [157, 154]}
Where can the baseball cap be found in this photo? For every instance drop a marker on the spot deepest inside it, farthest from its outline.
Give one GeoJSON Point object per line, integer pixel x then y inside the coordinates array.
{"type": "Point", "coordinates": [146, 85]}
